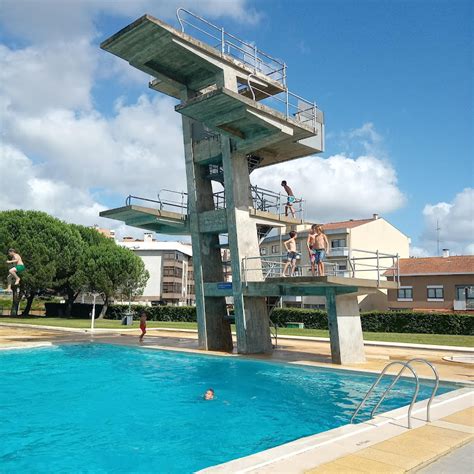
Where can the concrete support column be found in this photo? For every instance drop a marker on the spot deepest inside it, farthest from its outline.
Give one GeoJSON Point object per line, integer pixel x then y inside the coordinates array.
{"type": "Point", "coordinates": [251, 315]}
{"type": "Point", "coordinates": [214, 331]}
{"type": "Point", "coordinates": [345, 330]}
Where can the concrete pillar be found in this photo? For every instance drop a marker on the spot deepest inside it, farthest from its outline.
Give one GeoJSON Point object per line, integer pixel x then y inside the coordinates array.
{"type": "Point", "coordinates": [214, 332]}
{"type": "Point", "coordinates": [345, 330]}
{"type": "Point", "coordinates": [251, 314]}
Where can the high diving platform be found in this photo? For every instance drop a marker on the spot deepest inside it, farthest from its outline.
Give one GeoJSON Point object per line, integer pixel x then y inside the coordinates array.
{"type": "Point", "coordinates": [238, 115]}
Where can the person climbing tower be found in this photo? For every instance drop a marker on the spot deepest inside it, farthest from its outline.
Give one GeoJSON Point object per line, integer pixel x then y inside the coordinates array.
{"type": "Point", "coordinates": [16, 270]}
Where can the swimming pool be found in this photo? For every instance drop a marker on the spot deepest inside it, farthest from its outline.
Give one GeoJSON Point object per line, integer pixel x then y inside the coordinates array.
{"type": "Point", "coordinates": [105, 408]}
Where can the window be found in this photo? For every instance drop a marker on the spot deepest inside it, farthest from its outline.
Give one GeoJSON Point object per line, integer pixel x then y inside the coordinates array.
{"type": "Point", "coordinates": [342, 266]}
{"type": "Point", "coordinates": [405, 293]}
{"type": "Point", "coordinates": [173, 256]}
{"type": "Point", "coordinates": [190, 275]}
{"type": "Point", "coordinates": [435, 292]}
{"type": "Point", "coordinates": [169, 287]}
{"type": "Point", "coordinates": [464, 292]}
{"type": "Point", "coordinates": [275, 248]}
{"type": "Point", "coordinates": [263, 251]}
{"type": "Point", "coordinates": [172, 272]}
{"type": "Point", "coordinates": [338, 243]}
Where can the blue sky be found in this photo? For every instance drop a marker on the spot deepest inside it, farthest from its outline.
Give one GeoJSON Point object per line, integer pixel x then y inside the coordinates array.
{"type": "Point", "coordinates": [394, 79]}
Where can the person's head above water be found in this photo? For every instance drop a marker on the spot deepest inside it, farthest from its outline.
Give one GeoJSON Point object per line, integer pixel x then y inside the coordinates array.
{"type": "Point", "coordinates": [209, 395]}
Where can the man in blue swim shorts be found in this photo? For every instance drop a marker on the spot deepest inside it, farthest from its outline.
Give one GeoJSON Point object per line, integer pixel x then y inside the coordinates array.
{"type": "Point", "coordinates": [290, 199]}
{"type": "Point", "coordinates": [319, 249]}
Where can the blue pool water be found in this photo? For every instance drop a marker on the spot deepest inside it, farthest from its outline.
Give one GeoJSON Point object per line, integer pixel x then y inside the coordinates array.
{"type": "Point", "coordinates": [103, 408]}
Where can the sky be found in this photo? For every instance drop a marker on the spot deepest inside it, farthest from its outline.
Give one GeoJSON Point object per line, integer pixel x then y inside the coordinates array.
{"type": "Point", "coordinates": [80, 130]}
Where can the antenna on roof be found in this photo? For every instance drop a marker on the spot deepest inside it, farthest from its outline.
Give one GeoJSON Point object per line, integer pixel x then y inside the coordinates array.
{"type": "Point", "coordinates": [438, 228]}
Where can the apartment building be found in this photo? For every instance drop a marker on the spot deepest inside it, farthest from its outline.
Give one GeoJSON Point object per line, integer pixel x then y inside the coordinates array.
{"type": "Point", "coordinates": [355, 246]}
{"type": "Point", "coordinates": [435, 284]}
{"type": "Point", "coordinates": [170, 267]}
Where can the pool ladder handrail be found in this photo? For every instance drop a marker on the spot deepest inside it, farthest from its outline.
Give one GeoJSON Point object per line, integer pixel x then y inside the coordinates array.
{"type": "Point", "coordinates": [405, 365]}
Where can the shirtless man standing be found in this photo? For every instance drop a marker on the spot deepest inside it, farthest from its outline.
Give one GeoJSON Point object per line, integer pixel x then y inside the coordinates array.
{"type": "Point", "coordinates": [13, 273]}
{"type": "Point", "coordinates": [289, 200]}
{"type": "Point", "coordinates": [320, 248]}
{"type": "Point", "coordinates": [310, 245]}
{"type": "Point", "coordinates": [292, 254]}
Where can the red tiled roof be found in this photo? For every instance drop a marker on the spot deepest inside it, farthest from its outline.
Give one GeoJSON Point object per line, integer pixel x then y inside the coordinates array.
{"type": "Point", "coordinates": [346, 224]}
{"type": "Point", "coordinates": [432, 265]}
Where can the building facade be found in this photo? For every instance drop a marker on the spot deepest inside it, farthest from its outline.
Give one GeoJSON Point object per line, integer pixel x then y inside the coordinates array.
{"type": "Point", "coordinates": [170, 267]}
{"type": "Point", "coordinates": [435, 284]}
{"type": "Point", "coordinates": [353, 248]}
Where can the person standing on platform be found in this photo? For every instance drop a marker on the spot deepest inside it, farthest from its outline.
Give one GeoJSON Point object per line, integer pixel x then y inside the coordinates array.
{"type": "Point", "coordinates": [290, 199]}
{"type": "Point", "coordinates": [290, 246]}
{"type": "Point", "coordinates": [320, 248]}
{"type": "Point", "coordinates": [310, 245]}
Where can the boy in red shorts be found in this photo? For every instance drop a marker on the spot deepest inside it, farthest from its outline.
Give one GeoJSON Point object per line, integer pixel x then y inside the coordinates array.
{"type": "Point", "coordinates": [142, 325]}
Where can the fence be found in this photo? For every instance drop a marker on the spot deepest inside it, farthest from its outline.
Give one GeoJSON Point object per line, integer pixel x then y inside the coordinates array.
{"type": "Point", "coordinates": [253, 268]}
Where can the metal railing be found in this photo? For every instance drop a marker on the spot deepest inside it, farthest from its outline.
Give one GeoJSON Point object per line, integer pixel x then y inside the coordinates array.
{"type": "Point", "coordinates": [372, 262]}
{"type": "Point", "coordinates": [290, 104]}
{"type": "Point", "coordinates": [262, 200]}
{"type": "Point", "coordinates": [231, 45]}
{"type": "Point", "coordinates": [276, 203]}
{"type": "Point", "coordinates": [272, 267]}
{"type": "Point", "coordinates": [405, 365]}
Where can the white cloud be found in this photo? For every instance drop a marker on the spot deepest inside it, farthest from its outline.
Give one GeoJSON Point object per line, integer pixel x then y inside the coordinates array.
{"type": "Point", "coordinates": [456, 223]}
{"type": "Point", "coordinates": [35, 80]}
{"type": "Point", "coordinates": [52, 20]}
{"type": "Point", "coordinates": [23, 189]}
{"type": "Point", "coordinates": [338, 187]}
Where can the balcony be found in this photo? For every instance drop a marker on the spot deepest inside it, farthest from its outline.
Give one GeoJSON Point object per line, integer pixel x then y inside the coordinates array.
{"type": "Point", "coordinates": [339, 252]}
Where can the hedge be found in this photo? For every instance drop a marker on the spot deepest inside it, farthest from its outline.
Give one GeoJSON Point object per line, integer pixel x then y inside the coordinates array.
{"type": "Point", "coordinates": [373, 321]}
{"type": "Point", "coordinates": [386, 321]}
{"type": "Point", "coordinates": [183, 314]}
{"type": "Point", "coordinates": [79, 310]}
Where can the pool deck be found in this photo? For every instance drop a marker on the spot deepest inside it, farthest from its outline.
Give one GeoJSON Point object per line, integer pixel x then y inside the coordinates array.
{"type": "Point", "coordinates": [383, 444]}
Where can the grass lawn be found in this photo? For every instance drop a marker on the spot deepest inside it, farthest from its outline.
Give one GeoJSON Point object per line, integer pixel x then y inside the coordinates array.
{"type": "Point", "coordinates": [438, 339]}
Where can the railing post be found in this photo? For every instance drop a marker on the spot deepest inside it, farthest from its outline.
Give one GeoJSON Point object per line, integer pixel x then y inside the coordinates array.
{"type": "Point", "coordinates": [284, 74]}
{"type": "Point", "coordinates": [314, 116]}
{"type": "Point", "coordinates": [398, 270]}
{"type": "Point", "coordinates": [287, 103]}
{"type": "Point", "coordinates": [255, 58]}
{"type": "Point", "coordinates": [244, 270]}
{"type": "Point", "coordinates": [222, 40]}
{"type": "Point", "coordinates": [378, 267]}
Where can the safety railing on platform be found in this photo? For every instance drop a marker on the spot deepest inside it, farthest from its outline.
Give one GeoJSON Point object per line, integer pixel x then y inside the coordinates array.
{"type": "Point", "coordinates": [231, 45]}
{"type": "Point", "coordinates": [262, 200]}
{"type": "Point", "coordinates": [371, 261]}
{"type": "Point", "coordinates": [276, 203]}
{"type": "Point", "coordinates": [290, 104]}
{"type": "Point", "coordinates": [253, 268]}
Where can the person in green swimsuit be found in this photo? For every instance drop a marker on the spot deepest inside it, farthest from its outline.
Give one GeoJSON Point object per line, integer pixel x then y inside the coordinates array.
{"type": "Point", "coordinates": [16, 270]}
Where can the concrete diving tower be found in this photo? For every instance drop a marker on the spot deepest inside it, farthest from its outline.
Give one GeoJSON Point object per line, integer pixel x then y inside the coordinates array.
{"type": "Point", "coordinates": [238, 115]}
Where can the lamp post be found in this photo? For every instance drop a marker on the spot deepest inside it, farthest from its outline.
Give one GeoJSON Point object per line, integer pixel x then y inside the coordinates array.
{"type": "Point", "coordinates": [94, 295]}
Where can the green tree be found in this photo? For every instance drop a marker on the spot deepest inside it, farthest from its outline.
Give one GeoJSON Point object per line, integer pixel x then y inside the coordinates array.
{"type": "Point", "coordinates": [113, 271]}
{"type": "Point", "coordinates": [34, 235]}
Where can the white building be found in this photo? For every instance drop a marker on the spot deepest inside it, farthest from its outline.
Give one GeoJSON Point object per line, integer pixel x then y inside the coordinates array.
{"type": "Point", "coordinates": [170, 267]}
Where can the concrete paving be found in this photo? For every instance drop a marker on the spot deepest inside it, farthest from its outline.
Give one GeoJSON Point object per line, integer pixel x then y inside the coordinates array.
{"type": "Point", "coordinates": [460, 461]}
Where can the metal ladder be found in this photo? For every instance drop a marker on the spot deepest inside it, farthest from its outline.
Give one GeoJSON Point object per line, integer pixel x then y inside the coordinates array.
{"type": "Point", "coordinates": [405, 365]}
